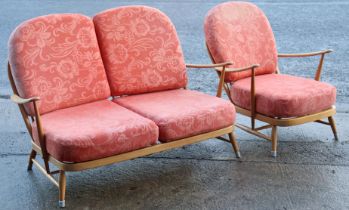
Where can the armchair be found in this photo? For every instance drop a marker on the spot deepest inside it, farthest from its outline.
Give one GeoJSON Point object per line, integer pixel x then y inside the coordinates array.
{"type": "Point", "coordinates": [259, 91]}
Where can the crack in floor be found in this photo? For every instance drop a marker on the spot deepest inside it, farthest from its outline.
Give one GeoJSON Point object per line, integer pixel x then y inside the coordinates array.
{"type": "Point", "coordinates": [247, 161]}
{"type": "Point", "coordinates": [5, 96]}
{"type": "Point", "coordinates": [215, 159]}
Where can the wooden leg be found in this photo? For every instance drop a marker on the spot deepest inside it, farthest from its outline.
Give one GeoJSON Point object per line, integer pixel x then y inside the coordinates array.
{"type": "Point", "coordinates": [274, 140]}
{"type": "Point", "coordinates": [31, 157]}
{"type": "Point", "coordinates": [235, 145]}
{"type": "Point", "coordinates": [62, 186]}
{"type": "Point", "coordinates": [333, 126]}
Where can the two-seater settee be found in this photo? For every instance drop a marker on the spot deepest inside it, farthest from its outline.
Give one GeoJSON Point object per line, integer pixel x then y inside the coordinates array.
{"type": "Point", "coordinates": [101, 91]}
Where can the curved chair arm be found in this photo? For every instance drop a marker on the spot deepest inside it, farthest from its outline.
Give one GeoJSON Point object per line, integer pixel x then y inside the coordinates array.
{"type": "Point", "coordinates": [208, 65]}
{"type": "Point", "coordinates": [321, 53]}
{"type": "Point", "coordinates": [292, 55]}
{"type": "Point", "coordinates": [221, 73]}
{"type": "Point", "coordinates": [238, 69]}
{"type": "Point", "coordinates": [251, 68]}
{"type": "Point", "coordinates": [253, 87]}
{"type": "Point", "coordinates": [20, 101]}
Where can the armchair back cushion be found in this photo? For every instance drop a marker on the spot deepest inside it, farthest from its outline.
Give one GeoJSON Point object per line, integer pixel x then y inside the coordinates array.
{"type": "Point", "coordinates": [140, 50]}
{"type": "Point", "coordinates": [240, 32]}
{"type": "Point", "coordinates": [56, 57]}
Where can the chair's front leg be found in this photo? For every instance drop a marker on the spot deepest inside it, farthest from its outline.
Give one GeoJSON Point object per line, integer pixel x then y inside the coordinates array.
{"type": "Point", "coordinates": [62, 187]}
{"type": "Point", "coordinates": [274, 140]}
{"type": "Point", "coordinates": [333, 126]}
{"type": "Point", "coordinates": [31, 157]}
{"type": "Point", "coordinates": [234, 144]}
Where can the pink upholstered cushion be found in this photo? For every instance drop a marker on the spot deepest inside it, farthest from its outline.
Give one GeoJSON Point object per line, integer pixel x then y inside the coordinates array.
{"type": "Point", "coordinates": [181, 113]}
{"type": "Point", "coordinates": [140, 50]}
{"type": "Point", "coordinates": [279, 95]}
{"type": "Point", "coordinates": [56, 57]}
{"type": "Point", "coordinates": [240, 32]}
{"type": "Point", "coordinates": [95, 130]}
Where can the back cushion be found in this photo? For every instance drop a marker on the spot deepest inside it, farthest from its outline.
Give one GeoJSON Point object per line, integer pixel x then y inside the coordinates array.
{"type": "Point", "coordinates": [56, 57]}
{"type": "Point", "coordinates": [140, 50]}
{"type": "Point", "coordinates": [240, 32]}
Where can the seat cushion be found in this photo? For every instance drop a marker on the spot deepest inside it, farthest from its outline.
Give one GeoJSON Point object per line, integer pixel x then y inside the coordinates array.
{"type": "Point", "coordinates": [240, 32]}
{"type": "Point", "coordinates": [57, 58]}
{"type": "Point", "coordinates": [181, 113]}
{"type": "Point", "coordinates": [140, 50]}
{"type": "Point", "coordinates": [279, 95]}
{"type": "Point", "coordinates": [95, 130]}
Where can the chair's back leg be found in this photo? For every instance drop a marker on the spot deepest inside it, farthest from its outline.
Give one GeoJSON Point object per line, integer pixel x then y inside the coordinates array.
{"type": "Point", "coordinates": [31, 157]}
{"type": "Point", "coordinates": [62, 187]}
{"type": "Point", "coordinates": [234, 144]}
{"type": "Point", "coordinates": [333, 126]}
{"type": "Point", "coordinates": [274, 140]}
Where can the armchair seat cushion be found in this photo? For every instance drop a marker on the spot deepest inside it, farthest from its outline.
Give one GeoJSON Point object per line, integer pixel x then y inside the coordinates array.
{"type": "Point", "coordinates": [279, 95]}
{"type": "Point", "coordinates": [95, 130]}
{"type": "Point", "coordinates": [181, 113]}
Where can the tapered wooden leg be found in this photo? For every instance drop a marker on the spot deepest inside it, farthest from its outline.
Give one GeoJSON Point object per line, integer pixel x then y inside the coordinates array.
{"type": "Point", "coordinates": [274, 141]}
{"type": "Point", "coordinates": [31, 157]}
{"type": "Point", "coordinates": [62, 186]}
{"type": "Point", "coordinates": [235, 145]}
{"type": "Point", "coordinates": [333, 126]}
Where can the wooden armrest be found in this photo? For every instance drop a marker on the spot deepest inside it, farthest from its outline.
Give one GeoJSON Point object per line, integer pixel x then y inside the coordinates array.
{"type": "Point", "coordinates": [208, 65]}
{"type": "Point", "coordinates": [222, 65]}
{"type": "Point", "coordinates": [237, 69]}
{"type": "Point", "coordinates": [287, 55]}
{"type": "Point", "coordinates": [319, 68]}
{"type": "Point", "coordinates": [18, 100]}
{"type": "Point", "coordinates": [251, 68]}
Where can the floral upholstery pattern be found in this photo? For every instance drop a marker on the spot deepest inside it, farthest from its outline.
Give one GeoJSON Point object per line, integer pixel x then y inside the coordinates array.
{"type": "Point", "coordinates": [240, 32]}
{"type": "Point", "coordinates": [140, 50]}
{"type": "Point", "coordinates": [279, 95]}
{"type": "Point", "coordinates": [57, 58]}
{"type": "Point", "coordinates": [181, 113]}
{"type": "Point", "coordinates": [95, 130]}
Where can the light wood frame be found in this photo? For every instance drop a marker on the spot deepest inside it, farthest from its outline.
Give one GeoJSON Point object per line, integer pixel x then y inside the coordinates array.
{"type": "Point", "coordinates": [68, 166]}
{"type": "Point", "coordinates": [274, 122]}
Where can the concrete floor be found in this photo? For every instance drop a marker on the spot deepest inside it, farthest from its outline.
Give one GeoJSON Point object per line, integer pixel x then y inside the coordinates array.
{"type": "Point", "coordinates": [311, 171]}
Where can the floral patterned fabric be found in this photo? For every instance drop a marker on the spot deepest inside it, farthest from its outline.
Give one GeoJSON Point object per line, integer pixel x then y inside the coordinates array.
{"type": "Point", "coordinates": [95, 130]}
{"type": "Point", "coordinates": [239, 32]}
{"type": "Point", "coordinates": [181, 113]}
{"type": "Point", "coordinates": [57, 58]}
{"type": "Point", "coordinates": [140, 50]}
{"type": "Point", "coordinates": [279, 95]}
